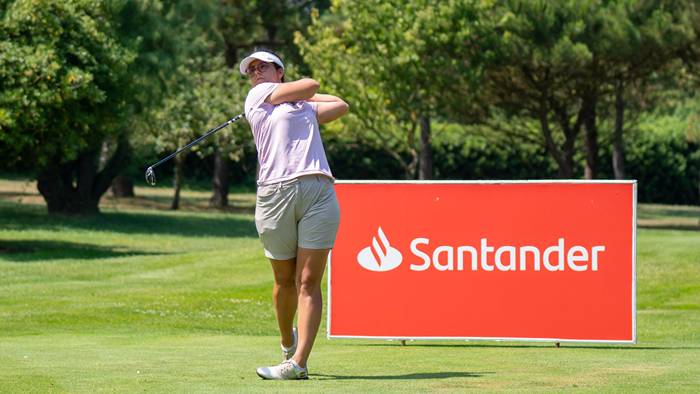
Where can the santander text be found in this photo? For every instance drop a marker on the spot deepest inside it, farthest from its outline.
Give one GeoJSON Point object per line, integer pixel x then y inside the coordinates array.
{"type": "Point", "coordinates": [506, 258]}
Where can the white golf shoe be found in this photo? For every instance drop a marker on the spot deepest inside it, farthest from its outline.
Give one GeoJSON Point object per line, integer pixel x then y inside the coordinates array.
{"type": "Point", "coordinates": [287, 370]}
{"type": "Point", "coordinates": [288, 352]}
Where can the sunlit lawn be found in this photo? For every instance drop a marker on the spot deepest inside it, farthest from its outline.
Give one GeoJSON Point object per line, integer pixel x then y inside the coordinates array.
{"type": "Point", "coordinates": [152, 300]}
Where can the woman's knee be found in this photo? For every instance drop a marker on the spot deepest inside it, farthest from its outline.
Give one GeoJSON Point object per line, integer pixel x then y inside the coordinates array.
{"type": "Point", "coordinates": [284, 273]}
{"type": "Point", "coordinates": [309, 285]}
{"type": "Point", "coordinates": [285, 282]}
{"type": "Point", "coordinates": [311, 264]}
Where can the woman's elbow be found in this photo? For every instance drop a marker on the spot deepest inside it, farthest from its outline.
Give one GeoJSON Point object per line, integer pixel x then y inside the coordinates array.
{"type": "Point", "coordinates": [312, 86]}
{"type": "Point", "coordinates": [345, 107]}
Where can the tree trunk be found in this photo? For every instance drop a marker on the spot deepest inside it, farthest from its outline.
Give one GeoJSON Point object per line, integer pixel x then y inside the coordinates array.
{"type": "Point", "coordinates": [412, 165]}
{"type": "Point", "coordinates": [564, 159]}
{"type": "Point", "coordinates": [591, 135]}
{"type": "Point", "coordinates": [426, 152]}
{"type": "Point", "coordinates": [55, 183]}
{"type": "Point", "coordinates": [618, 152]}
{"type": "Point", "coordinates": [76, 187]}
{"type": "Point", "coordinates": [571, 132]}
{"type": "Point", "coordinates": [177, 181]}
{"type": "Point", "coordinates": [122, 187]}
{"type": "Point", "coordinates": [220, 182]}
{"type": "Point", "coordinates": [231, 54]}
{"type": "Point", "coordinates": [566, 167]}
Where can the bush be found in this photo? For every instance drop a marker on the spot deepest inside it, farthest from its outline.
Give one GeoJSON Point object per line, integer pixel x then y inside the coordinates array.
{"type": "Point", "coordinates": [659, 155]}
{"type": "Point", "coordinates": [475, 157]}
{"type": "Point", "coordinates": [665, 163]}
{"type": "Point", "coordinates": [350, 159]}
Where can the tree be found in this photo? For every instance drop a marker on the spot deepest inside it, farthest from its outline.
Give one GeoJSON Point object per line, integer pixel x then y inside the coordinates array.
{"type": "Point", "coordinates": [631, 41]}
{"type": "Point", "coordinates": [244, 25]}
{"type": "Point", "coordinates": [224, 92]}
{"type": "Point", "coordinates": [247, 24]}
{"type": "Point", "coordinates": [534, 75]}
{"type": "Point", "coordinates": [64, 89]}
{"type": "Point", "coordinates": [184, 45]}
{"type": "Point", "coordinates": [562, 61]}
{"type": "Point", "coordinates": [399, 64]}
{"type": "Point", "coordinates": [200, 97]}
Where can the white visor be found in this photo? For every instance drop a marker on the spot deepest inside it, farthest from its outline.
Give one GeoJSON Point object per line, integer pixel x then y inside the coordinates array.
{"type": "Point", "coordinates": [261, 55]}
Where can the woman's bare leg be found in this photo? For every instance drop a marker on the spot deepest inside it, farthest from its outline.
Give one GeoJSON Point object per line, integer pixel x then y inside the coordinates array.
{"type": "Point", "coordinates": [284, 296]}
{"type": "Point", "coordinates": [310, 265]}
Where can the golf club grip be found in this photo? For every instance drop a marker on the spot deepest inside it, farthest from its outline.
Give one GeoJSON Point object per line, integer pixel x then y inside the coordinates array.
{"type": "Point", "coordinates": [205, 135]}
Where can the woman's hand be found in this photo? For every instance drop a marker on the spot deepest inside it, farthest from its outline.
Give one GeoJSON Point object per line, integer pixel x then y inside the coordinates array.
{"type": "Point", "coordinates": [329, 107]}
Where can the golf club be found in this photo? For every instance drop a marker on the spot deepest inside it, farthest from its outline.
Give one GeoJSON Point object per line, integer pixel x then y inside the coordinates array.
{"type": "Point", "coordinates": [151, 175]}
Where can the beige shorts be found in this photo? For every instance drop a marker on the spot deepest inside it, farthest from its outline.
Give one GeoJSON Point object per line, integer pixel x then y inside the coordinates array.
{"type": "Point", "coordinates": [301, 212]}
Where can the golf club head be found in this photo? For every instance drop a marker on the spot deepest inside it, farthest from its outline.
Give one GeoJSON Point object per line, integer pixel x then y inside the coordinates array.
{"type": "Point", "coordinates": [150, 176]}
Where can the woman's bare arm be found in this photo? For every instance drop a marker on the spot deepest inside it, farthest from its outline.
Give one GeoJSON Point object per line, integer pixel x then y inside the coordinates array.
{"type": "Point", "coordinates": [329, 107]}
{"type": "Point", "coordinates": [324, 98]}
{"type": "Point", "coordinates": [287, 92]}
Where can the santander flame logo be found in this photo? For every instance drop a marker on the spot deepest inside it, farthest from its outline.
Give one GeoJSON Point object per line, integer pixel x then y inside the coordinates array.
{"type": "Point", "coordinates": [379, 257]}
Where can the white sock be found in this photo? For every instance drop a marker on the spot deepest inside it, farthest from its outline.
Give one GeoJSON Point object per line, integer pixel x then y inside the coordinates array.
{"type": "Point", "coordinates": [296, 366]}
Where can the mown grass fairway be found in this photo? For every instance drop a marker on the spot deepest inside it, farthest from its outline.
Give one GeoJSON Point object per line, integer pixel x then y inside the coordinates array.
{"type": "Point", "coordinates": [160, 301]}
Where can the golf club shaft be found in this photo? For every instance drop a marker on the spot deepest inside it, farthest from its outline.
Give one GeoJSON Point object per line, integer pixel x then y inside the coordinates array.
{"type": "Point", "coordinates": [205, 135]}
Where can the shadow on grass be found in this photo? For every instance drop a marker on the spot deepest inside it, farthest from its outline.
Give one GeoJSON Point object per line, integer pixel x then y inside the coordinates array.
{"type": "Point", "coordinates": [680, 227]}
{"type": "Point", "coordinates": [425, 375]}
{"type": "Point", "coordinates": [653, 212]}
{"type": "Point", "coordinates": [35, 250]}
{"type": "Point", "coordinates": [542, 346]}
{"type": "Point", "coordinates": [26, 217]}
{"type": "Point", "coordinates": [190, 204]}
{"type": "Point", "coordinates": [8, 195]}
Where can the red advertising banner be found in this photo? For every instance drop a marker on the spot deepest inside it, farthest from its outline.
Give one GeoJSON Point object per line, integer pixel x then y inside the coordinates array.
{"type": "Point", "coordinates": [536, 260]}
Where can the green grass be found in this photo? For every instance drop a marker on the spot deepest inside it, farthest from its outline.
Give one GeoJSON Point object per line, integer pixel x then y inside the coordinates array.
{"type": "Point", "coordinates": [160, 301]}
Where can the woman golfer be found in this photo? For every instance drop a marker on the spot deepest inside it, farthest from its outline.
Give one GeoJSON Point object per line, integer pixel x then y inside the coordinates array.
{"type": "Point", "coordinates": [296, 212]}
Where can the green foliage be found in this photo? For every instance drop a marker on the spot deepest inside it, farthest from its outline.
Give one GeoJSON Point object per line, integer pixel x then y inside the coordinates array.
{"type": "Point", "coordinates": [79, 76]}
{"type": "Point", "coordinates": [63, 70]}
{"type": "Point", "coordinates": [396, 61]}
{"type": "Point", "coordinates": [199, 91]}
{"type": "Point", "coordinates": [460, 153]}
{"type": "Point", "coordinates": [546, 63]}
{"type": "Point", "coordinates": [474, 153]}
{"type": "Point", "coordinates": [202, 94]}
{"type": "Point", "coordinates": [165, 35]}
{"type": "Point", "coordinates": [247, 24]}
{"type": "Point", "coordinates": [662, 156]}
{"type": "Point", "coordinates": [560, 61]}
{"type": "Point", "coordinates": [665, 161]}
{"type": "Point", "coordinates": [173, 39]}
{"type": "Point", "coordinates": [350, 158]}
